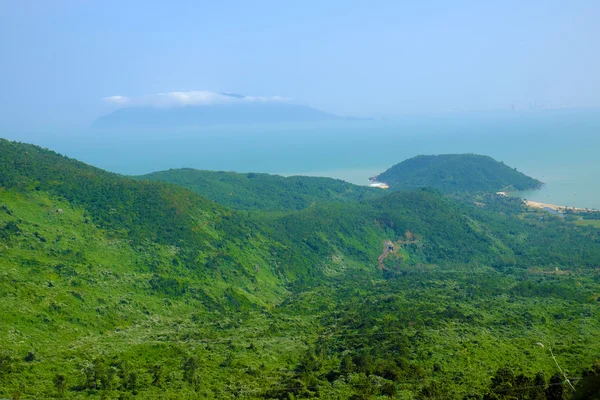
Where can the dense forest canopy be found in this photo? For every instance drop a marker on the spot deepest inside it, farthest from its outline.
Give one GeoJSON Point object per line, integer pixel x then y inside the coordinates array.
{"type": "Point", "coordinates": [254, 191]}
{"type": "Point", "coordinates": [454, 173]}
{"type": "Point", "coordinates": [115, 287]}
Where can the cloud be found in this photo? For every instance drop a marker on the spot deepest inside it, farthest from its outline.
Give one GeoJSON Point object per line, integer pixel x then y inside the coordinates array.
{"type": "Point", "coordinates": [190, 98]}
{"type": "Point", "coordinates": [116, 100]}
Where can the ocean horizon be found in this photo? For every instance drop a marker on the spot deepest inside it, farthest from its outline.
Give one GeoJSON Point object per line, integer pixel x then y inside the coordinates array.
{"type": "Point", "coordinates": [557, 147]}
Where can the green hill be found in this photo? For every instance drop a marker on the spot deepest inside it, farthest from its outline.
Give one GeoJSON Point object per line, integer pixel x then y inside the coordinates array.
{"type": "Point", "coordinates": [255, 191]}
{"type": "Point", "coordinates": [120, 288]}
{"type": "Point", "coordinates": [141, 214]}
{"type": "Point", "coordinates": [455, 173]}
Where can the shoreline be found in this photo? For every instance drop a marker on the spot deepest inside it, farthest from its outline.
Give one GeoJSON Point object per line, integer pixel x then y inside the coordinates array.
{"type": "Point", "coordinates": [554, 207]}
{"type": "Point", "coordinates": [557, 208]}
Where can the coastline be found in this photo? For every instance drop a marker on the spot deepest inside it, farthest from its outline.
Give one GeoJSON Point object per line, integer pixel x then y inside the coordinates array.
{"type": "Point", "coordinates": [557, 208]}
{"type": "Point", "coordinates": [554, 207]}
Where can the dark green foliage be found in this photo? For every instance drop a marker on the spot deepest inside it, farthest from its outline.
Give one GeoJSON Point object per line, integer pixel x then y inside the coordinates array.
{"type": "Point", "coordinates": [168, 285]}
{"type": "Point", "coordinates": [7, 363]}
{"type": "Point", "coordinates": [506, 385]}
{"type": "Point", "coordinates": [456, 173]}
{"type": "Point", "coordinates": [589, 385]}
{"type": "Point", "coordinates": [254, 191]}
{"type": "Point", "coordinates": [435, 390]}
{"type": "Point", "coordinates": [60, 383]}
{"type": "Point", "coordinates": [556, 389]}
{"type": "Point", "coordinates": [190, 370]}
{"type": "Point", "coordinates": [144, 210]}
{"type": "Point", "coordinates": [147, 290]}
{"type": "Point", "coordinates": [11, 228]}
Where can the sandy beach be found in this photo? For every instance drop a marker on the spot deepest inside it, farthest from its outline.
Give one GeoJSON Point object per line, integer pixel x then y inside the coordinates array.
{"type": "Point", "coordinates": [537, 204]}
{"type": "Point", "coordinates": [557, 208]}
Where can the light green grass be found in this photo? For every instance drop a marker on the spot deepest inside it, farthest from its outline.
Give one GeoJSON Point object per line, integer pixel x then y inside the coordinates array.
{"type": "Point", "coordinates": [588, 222]}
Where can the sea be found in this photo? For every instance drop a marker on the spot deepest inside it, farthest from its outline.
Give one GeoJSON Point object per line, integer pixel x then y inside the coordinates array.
{"type": "Point", "coordinates": [559, 147]}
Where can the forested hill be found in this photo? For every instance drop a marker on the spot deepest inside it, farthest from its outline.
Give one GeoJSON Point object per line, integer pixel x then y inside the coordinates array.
{"type": "Point", "coordinates": [256, 191]}
{"type": "Point", "coordinates": [454, 173]}
{"type": "Point", "coordinates": [139, 210]}
{"type": "Point", "coordinates": [119, 288]}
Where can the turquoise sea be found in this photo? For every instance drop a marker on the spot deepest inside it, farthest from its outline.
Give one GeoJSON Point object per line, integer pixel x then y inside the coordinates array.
{"type": "Point", "coordinates": [559, 147]}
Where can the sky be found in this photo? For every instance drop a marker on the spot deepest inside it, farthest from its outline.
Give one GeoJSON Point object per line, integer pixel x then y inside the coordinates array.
{"type": "Point", "coordinates": [62, 59]}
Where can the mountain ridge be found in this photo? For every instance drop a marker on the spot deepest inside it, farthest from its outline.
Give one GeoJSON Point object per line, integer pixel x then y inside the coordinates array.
{"type": "Point", "coordinates": [261, 191]}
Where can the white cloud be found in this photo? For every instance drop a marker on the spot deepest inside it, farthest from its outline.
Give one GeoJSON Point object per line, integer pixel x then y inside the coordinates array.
{"type": "Point", "coordinates": [191, 98]}
{"type": "Point", "coordinates": [116, 99]}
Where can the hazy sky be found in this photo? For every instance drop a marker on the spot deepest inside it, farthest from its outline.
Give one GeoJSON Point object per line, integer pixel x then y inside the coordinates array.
{"type": "Point", "coordinates": [60, 58]}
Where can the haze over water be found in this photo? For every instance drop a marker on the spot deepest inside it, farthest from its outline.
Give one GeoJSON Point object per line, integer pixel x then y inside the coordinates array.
{"type": "Point", "coordinates": [63, 69]}
{"type": "Point", "coordinates": [559, 147]}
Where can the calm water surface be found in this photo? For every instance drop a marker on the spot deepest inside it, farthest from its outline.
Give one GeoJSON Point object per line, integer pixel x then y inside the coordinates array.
{"type": "Point", "coordinates": [558, 147]}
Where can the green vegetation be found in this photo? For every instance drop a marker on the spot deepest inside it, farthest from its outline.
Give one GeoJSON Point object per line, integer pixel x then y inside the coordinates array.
{"type": "Point", "coordinates": [456, 173]}
{"type": "Point", "coordinates": [587, 222]}
{"type": "Point", "coordinates": [583, 217]}
{"type": "Point", "coordinates": [254, 191]}
{"type": "Point", "coordinates": [129, 289]}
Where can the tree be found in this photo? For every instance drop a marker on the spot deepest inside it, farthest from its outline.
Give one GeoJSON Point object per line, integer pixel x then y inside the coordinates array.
{"type": "Point", "coordinates": [389, 389]}
{"type": "Point", "coordinates": [435, 390]}
{"type": "Point", "coordinates": [157, 375]}
{"type": "Point", "coordinates": [555, 390]}
{"type": "Point", "coordinates": [60, 383]}
{"type": "Point", "coordinates": [589, 386]}
{"type": "Point", "coordinates": [190, 370]}
{"type": "Point", "coordinates": [502, 387]}
{"type": "Point", "coordinates": [537, 391]}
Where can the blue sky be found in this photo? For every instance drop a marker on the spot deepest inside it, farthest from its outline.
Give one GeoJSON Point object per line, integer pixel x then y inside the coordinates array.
{"type": "Point", "coordinates": [60, 58]}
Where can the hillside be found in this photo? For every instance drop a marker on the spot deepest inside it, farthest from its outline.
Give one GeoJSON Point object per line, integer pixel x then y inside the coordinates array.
{"type": "Point", "coordinates": [215, 114]}
{"type": "Point", "coordinates": [143, 215]}
{"type": "Point", "coordinates": [454, 173]}
{"type": "Point", "coordinates": [120, 288]}
{"type": "Point", "coordinates": [255, 191]}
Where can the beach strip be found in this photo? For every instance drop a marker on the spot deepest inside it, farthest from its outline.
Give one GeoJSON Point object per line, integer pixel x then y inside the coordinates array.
{"type": "Point", "coordinates": [537, 204]}
{"type": "Point", "coordinates": [557, 208]}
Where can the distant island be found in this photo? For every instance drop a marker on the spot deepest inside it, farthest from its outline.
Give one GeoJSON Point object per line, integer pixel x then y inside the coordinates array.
{"type": "Point", "coordinates": [236, 112]}
{"type": "Point", "coordinates": [454, 173]}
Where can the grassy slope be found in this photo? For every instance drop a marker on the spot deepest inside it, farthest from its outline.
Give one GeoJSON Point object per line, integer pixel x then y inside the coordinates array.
{"type": "Point", "coordinates": [74, 294]}
{"type": "Point", "coordinates": [452, 173]}
{"type": "Point", "coordinates": [89, 296]}
{"type": "Point", "coordinates": [254, 191]}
